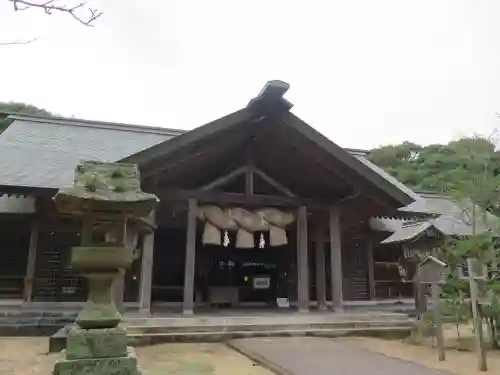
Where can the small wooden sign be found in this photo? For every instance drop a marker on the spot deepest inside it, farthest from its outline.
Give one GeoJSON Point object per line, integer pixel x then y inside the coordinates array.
{"type": "Point", "coordinates": [431, 271]}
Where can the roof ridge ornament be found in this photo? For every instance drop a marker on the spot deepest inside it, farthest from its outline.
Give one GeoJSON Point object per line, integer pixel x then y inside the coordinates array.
{"type": "Point", "coordinates": [271, 97]}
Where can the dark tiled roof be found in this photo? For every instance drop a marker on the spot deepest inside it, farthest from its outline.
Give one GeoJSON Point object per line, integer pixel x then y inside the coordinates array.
{"type": "Point", "coordinates": [43, 152]}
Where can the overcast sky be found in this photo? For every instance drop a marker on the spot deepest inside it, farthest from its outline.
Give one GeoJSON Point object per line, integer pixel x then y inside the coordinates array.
{"type": "Point", "coordinates": [363, 72]}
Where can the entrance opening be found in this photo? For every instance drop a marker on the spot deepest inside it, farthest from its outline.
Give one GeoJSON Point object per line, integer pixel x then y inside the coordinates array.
{"type": "Point", "coordinates": [225, 276]}
{"type": "Point", "coordinates": [248, 277]}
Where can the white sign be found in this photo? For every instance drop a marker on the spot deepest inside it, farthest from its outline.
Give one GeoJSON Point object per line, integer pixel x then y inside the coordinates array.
{"type": "Point", "coordinates": [261, 282]}
{"type": "Point", "coordinates": [283, 302]}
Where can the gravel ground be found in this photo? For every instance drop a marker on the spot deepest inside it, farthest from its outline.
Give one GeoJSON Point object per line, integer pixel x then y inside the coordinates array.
{"type": "Point", "coordinates": [28, 356]}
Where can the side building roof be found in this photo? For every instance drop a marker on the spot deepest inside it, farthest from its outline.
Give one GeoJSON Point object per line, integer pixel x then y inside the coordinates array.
{"type": "Point", "coordinates": [40, 152]}
{"type": "Point", "coordinates": [446, 215]}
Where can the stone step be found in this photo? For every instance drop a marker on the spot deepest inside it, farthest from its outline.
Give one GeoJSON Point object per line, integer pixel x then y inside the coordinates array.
{"type": "Point", "coordinates": [180, 321]}
{"type": "Point", "coordinates": [154, 329]}
{"type": "Point", "coordinates": [220, 336]}
{"type": "Point", "coordinates": [9, 330]}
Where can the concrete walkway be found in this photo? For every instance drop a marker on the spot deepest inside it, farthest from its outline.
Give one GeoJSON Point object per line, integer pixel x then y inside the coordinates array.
{"type": "Point", "coordinates": [323, 356]}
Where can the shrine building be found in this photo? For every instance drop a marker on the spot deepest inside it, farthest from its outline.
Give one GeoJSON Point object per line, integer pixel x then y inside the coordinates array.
{"type": "Point", "coordinates": [257, 209]}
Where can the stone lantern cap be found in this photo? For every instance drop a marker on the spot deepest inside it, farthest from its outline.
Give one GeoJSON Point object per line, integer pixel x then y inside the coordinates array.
{"type": "Point", "coordinates": [106, 188]}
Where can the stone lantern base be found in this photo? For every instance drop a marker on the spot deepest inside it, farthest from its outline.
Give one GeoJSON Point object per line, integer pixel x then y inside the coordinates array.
{"type": "Point", "coordinates": [98, 352]}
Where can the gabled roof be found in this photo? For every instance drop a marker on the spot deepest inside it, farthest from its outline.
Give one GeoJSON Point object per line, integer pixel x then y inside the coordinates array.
{"type": "Point", "coordinates": [434, 260]}
{"type": "Point", "coordinates": [270, 103]}
{"type": "Point", "coordinates": [42, 152]}
{"type": "Point", "coordinates": [447, 217]}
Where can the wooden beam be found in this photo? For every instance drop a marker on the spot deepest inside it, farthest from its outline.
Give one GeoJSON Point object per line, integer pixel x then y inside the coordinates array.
{"type": "Point", "coordinates": [30, 267]}
{"type": "Point", "coordinates": [302, 261]}
{"type": "Point", "coordinates": [146, 279]}
{"type": "Point", "coordinates": [238, 198]}
{"type": "Point", "coordinates": [250, 171]}
{"type": "Point", "coordinates": [336, 258]}
{"type": "Point", "coordinates": [371, 270]}
{"type": "Point", "coordinates": [362, 173]}
{"type": "Point", "coordinates": [177, 163]}
{"type": "Point", "coordinates": [224, 179]}
{"type": "Point", "coordinates": [274, 183]}
{"type": "Point", "coordinates": [319, 245]}
{"type": "Point", "coordinates": [249, 180]}
{"type": "Point", "coordinates": [189, 267]}
{"type": "Point", "coordinates": [164, 149]}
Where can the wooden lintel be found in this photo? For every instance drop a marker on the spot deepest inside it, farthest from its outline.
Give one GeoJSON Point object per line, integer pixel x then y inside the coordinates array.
{"type": "Point", "coordinates": [224, 179]}
{"type": "Point", "coordinates": [274, 183]}
{"type": "Point", "coordinates": [241, 199]}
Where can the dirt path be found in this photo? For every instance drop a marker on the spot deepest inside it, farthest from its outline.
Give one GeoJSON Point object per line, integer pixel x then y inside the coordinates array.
{"type": "Point", "coordinates": [324, 356]}
{"type": "Point", "coordinates": [27, 356]}
{"type": "Point", "coordinates": [457, 362]}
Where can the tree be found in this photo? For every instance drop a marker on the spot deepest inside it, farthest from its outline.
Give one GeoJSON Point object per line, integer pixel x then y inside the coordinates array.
{"type": "Point", "coordinates": [440, 168]}
{"type": "Point", "coordinates": [469, 171]}
{"type": "Point", "coordinates": [19, 108]}
{"type": "Point", "coordinates": [474, 182]}
{"type": "Point", "coordinates": [50, 6]}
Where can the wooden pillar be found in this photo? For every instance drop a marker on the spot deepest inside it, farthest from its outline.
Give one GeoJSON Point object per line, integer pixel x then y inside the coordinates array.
{"type": "Point", "coordinates": [371, 270]}
{"type": "Point", "coordinates": [131, 238]}
{"type": "Point", "coordinates": [118, 288]}
{"type": "Point", "coordinates": [319, 243]}
{"type": "Point", "coordinates": [30, 266]}
{"type": "Point", "coordinates": [146, 280]}
{"type": "Point", "coordinates": [336, 258]}
{"type": "Point", "coordinates": [302, 266]}
{"type": "Point", "coordinates": [146, 273]}
{"type": "Point", "coordinates": [189, 268]}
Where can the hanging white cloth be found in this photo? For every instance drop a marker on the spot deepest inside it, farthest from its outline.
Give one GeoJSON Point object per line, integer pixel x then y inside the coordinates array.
{"type": "Point", "coordinates": [244, 239]}
{"type": "Point", "coordinates": [211, 235]}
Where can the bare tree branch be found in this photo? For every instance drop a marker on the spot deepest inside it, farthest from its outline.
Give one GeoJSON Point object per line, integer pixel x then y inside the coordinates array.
{"type": "Point", "coordinates": [52, 5]}
{"type": "Point", "coordinates": [18, 42]}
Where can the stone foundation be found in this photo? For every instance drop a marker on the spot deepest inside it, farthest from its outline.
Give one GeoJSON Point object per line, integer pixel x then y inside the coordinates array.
{"type": "Point", "coordinates": [98, 351]}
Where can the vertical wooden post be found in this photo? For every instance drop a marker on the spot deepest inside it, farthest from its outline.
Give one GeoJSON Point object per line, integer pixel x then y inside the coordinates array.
{"type": "Point", "coordinates": [436, 299]}
{"type": "Point", "coordinates": [118, 288]}
{"type": "Point", "coordinates": [249, 180]}
{"type": "Point", "coordinates": [302, 261]}
{"type": "Point", "coordinates": [146, 278]}
{"type": "Point", "coordinates": [371, 270]}
{"type": "Point", "coordinates": [189, 268]}
{"type": "Point", "coordinates": [336, 258]}
{"type": "Point", "coordinates": [130, 240]}
{"type": "Point", "coordinates": [478, 321]}
{"type": "Point", "coordinates": [146, 273]}
{"type": "Point", "coordinates": [319, 243]}
{"type": "Point", "coordinates": [30, 266]}
{"type": "Point", "coordinates": [249, 171]}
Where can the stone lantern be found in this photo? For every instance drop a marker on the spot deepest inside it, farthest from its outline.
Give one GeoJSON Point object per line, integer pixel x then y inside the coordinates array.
{"type": "Point", "coordinates": [103, 195]}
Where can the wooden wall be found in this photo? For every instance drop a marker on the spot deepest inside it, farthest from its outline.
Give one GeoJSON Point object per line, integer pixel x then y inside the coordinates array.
{"type": "Point", "coordinates": [14, 245]}
{"type": "Point", "coordinates": [54, 278]}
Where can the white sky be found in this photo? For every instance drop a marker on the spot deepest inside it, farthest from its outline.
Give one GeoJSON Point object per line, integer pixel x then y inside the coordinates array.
{"type": "Point", "coordinates": [363, 72]}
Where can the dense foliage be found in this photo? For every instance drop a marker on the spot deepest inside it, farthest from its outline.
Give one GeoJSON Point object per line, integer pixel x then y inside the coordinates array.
{"type": "Point", "coordinates": [469, 170]}
{"type": "Point", "coordinates": [21, 108]}
{"type": "Point", "coordinates": [436, 167]}
{"type": "Point", "coordinates": [469, 167]}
